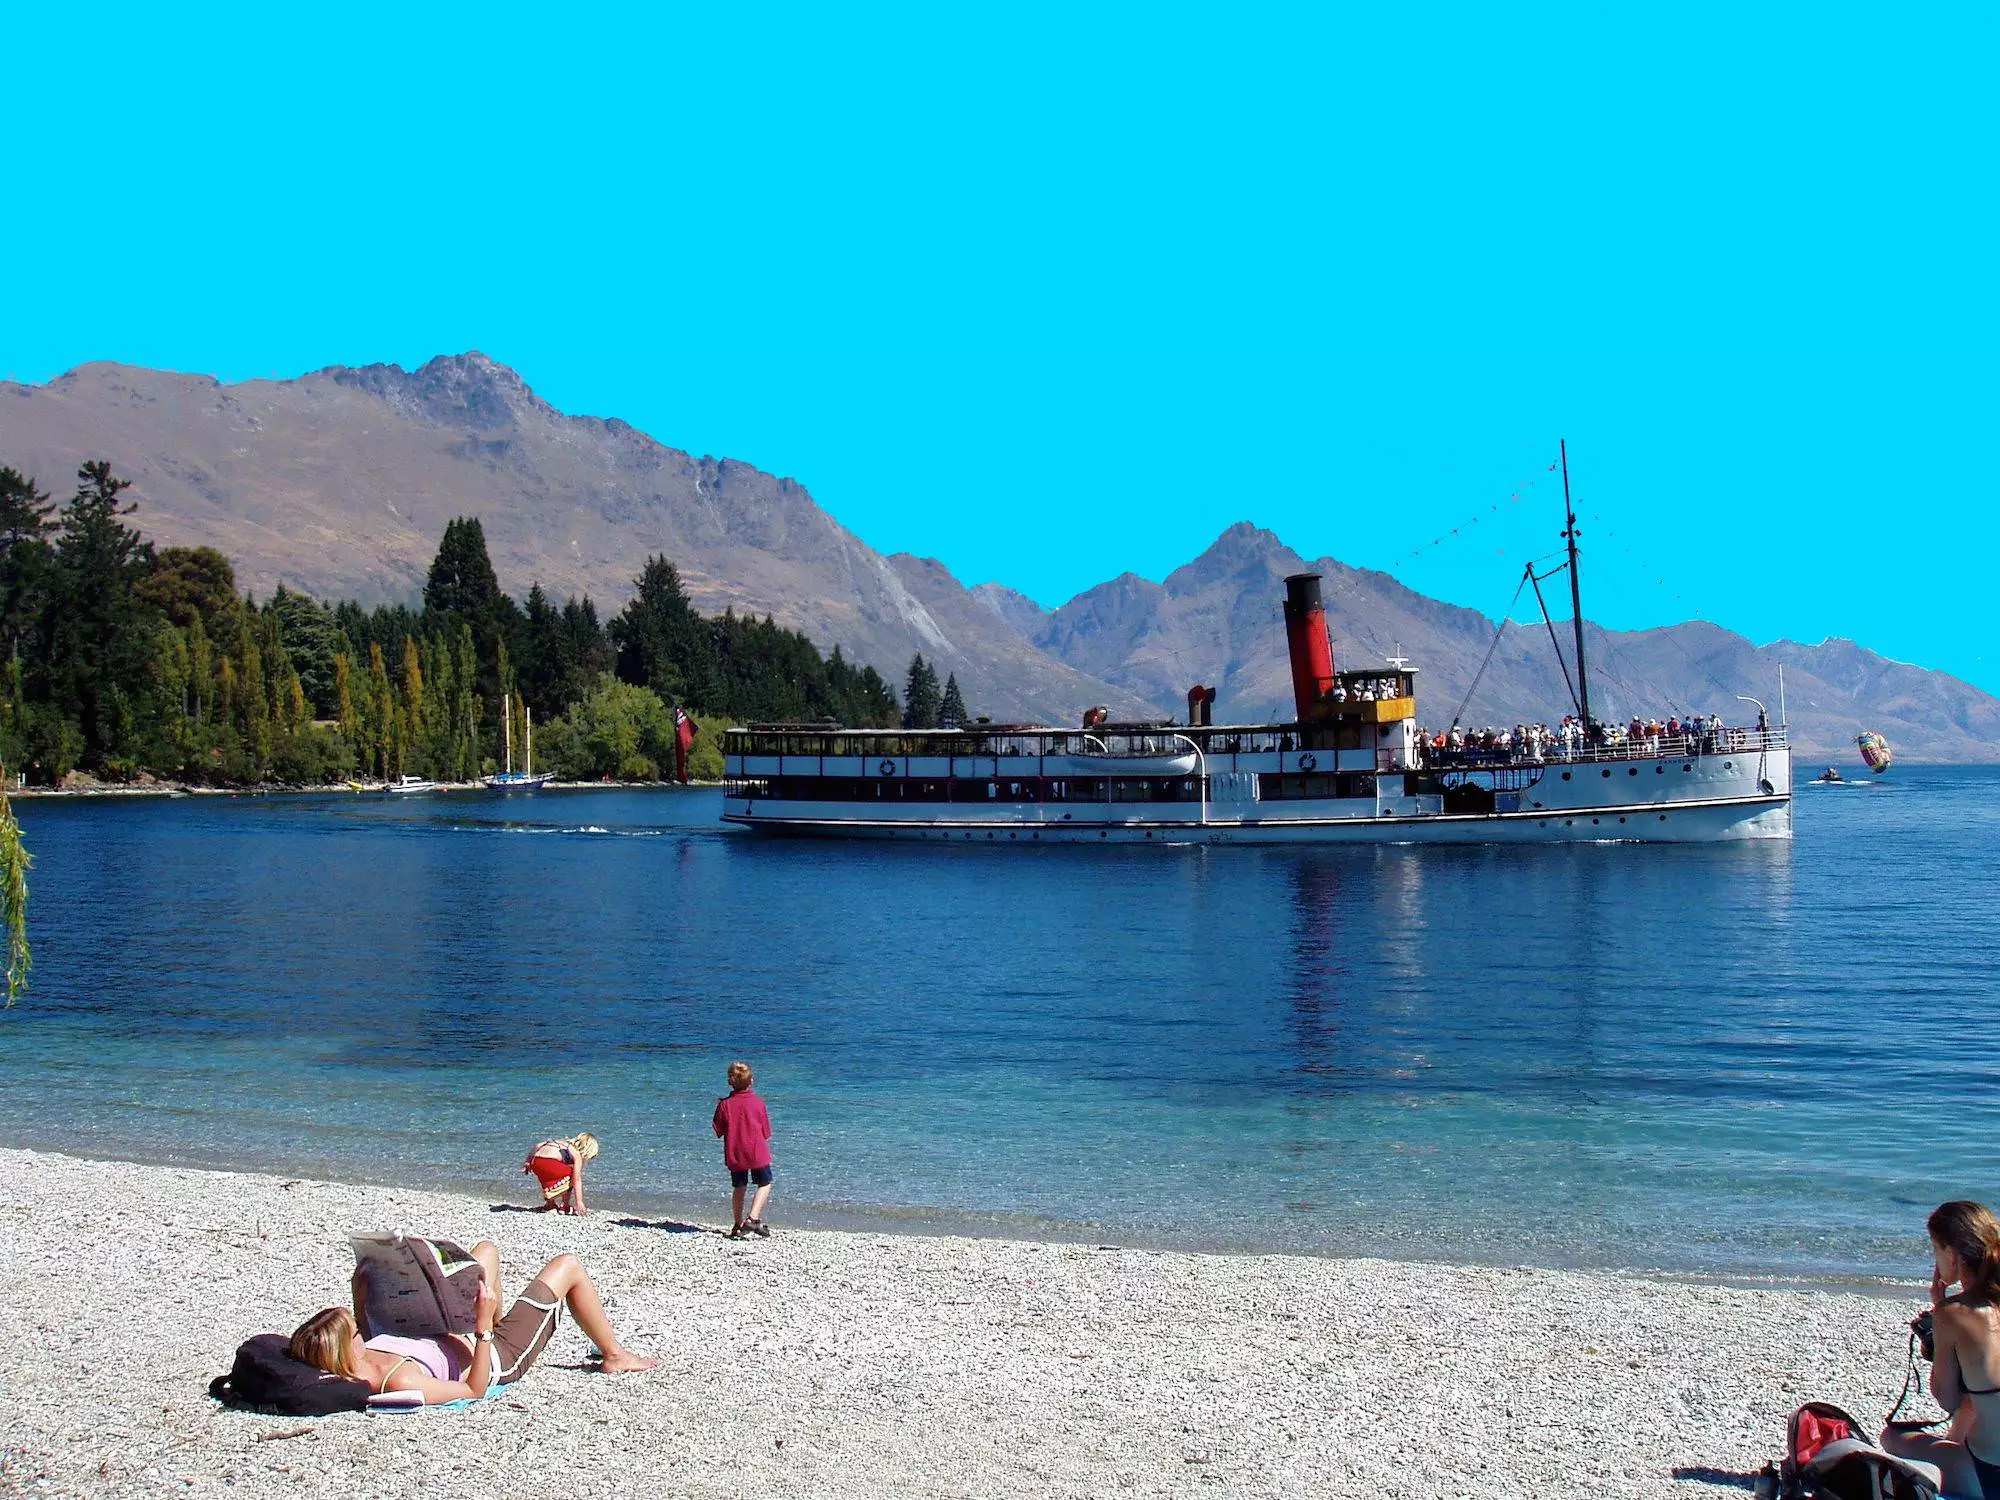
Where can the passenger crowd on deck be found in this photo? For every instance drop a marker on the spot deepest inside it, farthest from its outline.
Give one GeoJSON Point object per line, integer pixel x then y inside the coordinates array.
{"type": "Point", "coordinates": [1694, 734]}
{"type": "Point", "coordinates": [1368, 690]}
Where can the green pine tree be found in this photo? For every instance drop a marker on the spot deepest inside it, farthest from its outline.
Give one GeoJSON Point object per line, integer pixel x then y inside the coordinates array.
{"type": "Point", "coordinates": [951, 711]}
{"type": "Point", "coordinates": [102, 651]}
{"type": "Point", "coordinates": [921, 700]}
{"type": "Point", "coordinates": [25, 524]}
{"type": "Point", "coordinates": [461, 580]}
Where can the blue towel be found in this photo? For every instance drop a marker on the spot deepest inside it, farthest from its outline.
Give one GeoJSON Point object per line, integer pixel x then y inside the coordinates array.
{"type": "Point", "coordinates": [401, 1401]}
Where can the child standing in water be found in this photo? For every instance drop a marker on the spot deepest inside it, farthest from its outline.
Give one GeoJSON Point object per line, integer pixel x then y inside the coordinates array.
{"type": "Point", "coordinates": [745, 1127]}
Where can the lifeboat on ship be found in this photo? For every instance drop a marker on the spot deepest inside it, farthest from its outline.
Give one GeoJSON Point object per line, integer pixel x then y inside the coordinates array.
{"type": "Point", "coordinates": [1133, 763]}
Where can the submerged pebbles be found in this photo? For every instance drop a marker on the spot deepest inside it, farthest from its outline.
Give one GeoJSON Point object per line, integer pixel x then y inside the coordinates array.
{"type": "Point", "coordinates": [837, 1364]}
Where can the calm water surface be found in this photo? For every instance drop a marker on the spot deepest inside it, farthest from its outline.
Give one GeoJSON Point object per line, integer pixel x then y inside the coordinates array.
{"type": "Point", "coordinates": [1742, 1059]}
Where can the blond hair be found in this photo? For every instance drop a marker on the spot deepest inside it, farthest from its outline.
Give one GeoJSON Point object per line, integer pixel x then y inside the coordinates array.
{"type": "Point", "coordinates": [326, 1342]}
{"type": "Point", "coordinates": [739, 1075]}
{"type": "Point", "coordinates": [584, 1144]}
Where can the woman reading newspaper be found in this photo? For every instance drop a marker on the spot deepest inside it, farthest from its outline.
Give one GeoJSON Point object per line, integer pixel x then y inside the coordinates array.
{"type": "Point", "coordinates": [420, 1352]}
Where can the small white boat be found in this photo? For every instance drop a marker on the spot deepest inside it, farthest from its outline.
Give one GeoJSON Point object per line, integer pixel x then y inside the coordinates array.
{"type": "Point", "coordinates": [405, 785]}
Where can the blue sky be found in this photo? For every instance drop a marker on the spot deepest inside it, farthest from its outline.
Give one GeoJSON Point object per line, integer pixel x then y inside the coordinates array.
{"type": "Point", "coordinates": [1051, 293]}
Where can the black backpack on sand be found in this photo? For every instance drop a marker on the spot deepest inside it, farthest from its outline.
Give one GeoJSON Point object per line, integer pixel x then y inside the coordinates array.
{"type": "Point", "coordinates": [266, 1378]}
{"type": "Point", "coordinates": [1828, 1458]}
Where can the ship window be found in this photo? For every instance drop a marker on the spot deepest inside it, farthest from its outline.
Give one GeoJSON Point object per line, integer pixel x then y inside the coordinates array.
{"type": "Point", "coordinates": [1293, 787]}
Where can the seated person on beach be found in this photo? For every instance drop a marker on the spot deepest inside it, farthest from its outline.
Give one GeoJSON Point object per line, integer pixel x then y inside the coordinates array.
{"type": "Point", "coordinates": [499, 1351]}
{"type": "Point", "coordinates": [558, 1167]}
{"type": "Point", "coordinates": [1965, 1376]}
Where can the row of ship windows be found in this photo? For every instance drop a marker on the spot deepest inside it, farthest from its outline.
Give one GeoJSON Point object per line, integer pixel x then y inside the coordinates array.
{"type": "Point", "coordinates": [887, 789]}
{"type": "Point", "coordinates": [1071, 789]}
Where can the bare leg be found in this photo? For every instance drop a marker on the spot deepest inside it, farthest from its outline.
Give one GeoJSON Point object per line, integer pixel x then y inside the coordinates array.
{"type": "Point", "coordinates": [757, 1203]}
{"type": "Point", "coordinates": [1952, 1460]}
{"type": "Point", "coordinates": [736, 1207]}
{"type": "Point", "coordinates": [566, 1277]}
{"type": "Point", "coordinates": [488, 1255]}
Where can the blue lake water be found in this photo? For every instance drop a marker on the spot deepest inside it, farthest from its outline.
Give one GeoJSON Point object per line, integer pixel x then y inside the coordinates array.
{"type": "Point", "coordinates": [1768, 1057]}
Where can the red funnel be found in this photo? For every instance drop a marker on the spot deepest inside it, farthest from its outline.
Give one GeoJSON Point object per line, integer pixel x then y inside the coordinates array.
{"type": "Point", "coordinates": [1305, 635]}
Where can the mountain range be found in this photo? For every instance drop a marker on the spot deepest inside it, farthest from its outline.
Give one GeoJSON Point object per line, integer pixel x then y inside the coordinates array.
{"type": "Point", "coordinates": [339, 484]}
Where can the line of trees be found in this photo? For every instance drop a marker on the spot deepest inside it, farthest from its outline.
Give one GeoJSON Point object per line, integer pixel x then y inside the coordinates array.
{"type": "Point", "coordinates": [121, 659]}
{"type": "Point", "coordinates": [925, 705]}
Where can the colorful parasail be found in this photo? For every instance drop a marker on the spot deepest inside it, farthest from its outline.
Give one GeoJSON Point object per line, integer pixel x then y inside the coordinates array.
{"type": "Point", "coordinates": [1874, 751]}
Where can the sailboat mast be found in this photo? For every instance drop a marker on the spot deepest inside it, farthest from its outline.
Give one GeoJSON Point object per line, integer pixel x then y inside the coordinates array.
{"type": "Point", "coordinates": [528, 767]}
{"type": "Point", "coordinates": [1575, 594]}
{"type": "Point", "coordinates": [507, 728]}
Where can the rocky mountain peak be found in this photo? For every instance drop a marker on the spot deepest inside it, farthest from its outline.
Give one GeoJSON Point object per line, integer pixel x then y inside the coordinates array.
{"type": "Point", "coordinates": [1242, 551]}
{"type": "Point", "coordinates": [468, 392]}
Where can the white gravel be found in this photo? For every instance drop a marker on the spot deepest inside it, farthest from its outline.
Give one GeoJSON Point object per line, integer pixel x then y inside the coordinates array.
{"type": "Point", "coordinates": [834, 1364]}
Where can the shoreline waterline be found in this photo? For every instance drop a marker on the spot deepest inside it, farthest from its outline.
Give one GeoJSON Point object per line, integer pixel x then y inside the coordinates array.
{"type": "Point", "coordinates": [927, 1222]}
{"type": "Point", "coordinates": [169, 789]}
{"type": "Point", "coordinates": [868, 1364]}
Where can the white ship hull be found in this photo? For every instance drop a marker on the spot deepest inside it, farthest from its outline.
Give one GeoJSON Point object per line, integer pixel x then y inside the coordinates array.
{"type": "Point", "coordinates": [1699, 799]}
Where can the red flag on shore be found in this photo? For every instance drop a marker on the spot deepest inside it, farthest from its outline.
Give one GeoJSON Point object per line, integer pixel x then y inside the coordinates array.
{"type": "Point", "coordinates": [685, 729]}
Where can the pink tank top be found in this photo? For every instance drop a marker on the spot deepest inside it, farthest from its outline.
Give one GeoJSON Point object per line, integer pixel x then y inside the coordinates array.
{"type": "Point", "coordinates": [441, 1361]}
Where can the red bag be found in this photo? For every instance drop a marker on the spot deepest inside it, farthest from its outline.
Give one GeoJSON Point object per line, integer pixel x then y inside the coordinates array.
{"type": "Point", "coordinates": [1813, 1426]}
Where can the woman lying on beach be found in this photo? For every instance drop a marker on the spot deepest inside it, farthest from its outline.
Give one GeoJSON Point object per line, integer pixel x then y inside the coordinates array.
{"type": "Point", "coordinates": [1965, 1375]}
{"type": "Point", "coordinates": [499, 1351]}
{"type": "Point", "coordinates": [558, 1167]}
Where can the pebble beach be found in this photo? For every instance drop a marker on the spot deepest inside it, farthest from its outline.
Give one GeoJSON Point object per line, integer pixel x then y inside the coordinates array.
{"type": "Point", "coordinates": [836, 1363]}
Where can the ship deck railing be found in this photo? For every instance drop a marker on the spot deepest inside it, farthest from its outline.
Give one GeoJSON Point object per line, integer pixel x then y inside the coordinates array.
{"type": "Point", "coordinates": [1726, 741]}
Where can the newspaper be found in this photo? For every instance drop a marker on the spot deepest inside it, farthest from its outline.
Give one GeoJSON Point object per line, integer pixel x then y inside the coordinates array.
{"type": "Point", "coordinates": [416, 1288]}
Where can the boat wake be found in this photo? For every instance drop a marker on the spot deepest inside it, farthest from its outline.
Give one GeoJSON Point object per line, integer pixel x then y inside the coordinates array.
{"type": "Point", "coordinates": [574, 830]}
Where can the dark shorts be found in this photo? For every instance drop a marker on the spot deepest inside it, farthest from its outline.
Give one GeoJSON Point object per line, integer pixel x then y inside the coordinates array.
{"type": "Point", "coordinates": [759, 1175]}
{"type": "Point", "coordinates": [520, 1337]}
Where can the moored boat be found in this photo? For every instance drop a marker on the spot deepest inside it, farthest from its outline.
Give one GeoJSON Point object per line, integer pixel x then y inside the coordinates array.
{"type": "Point", "coordinates": [405, 786]}
{"type": "Point", "coordinates": [508, 779]}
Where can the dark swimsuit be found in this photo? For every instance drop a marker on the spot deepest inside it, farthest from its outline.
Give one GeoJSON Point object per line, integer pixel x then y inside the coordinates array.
{"type": "Point", "coordinates": [1989, 1473]}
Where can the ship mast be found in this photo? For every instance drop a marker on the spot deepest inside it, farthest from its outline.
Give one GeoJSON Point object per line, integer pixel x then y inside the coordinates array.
{"type": "Point", "coordinates": [1575, 594]}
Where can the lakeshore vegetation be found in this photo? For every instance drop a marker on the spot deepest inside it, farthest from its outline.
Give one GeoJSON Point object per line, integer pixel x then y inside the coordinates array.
{"type": "Point", "coordinates": [126, 661]}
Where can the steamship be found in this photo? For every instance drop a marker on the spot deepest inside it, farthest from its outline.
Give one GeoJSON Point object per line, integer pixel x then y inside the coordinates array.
{"type": "Point", "coordinates": [1350, 768]}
